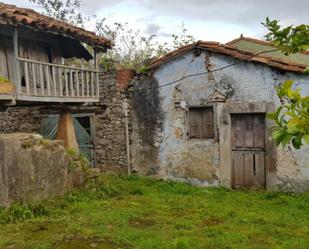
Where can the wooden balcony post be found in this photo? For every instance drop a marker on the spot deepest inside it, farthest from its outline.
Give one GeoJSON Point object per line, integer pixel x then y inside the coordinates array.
{"type": "Point", "coordinates": [66, 131]}
{"type": "Point", "coordinates": [96, 67]}
{"type": "Point", "coordinates": [17, 78]}
{"type": "Point", "coordinates": [95, 59]}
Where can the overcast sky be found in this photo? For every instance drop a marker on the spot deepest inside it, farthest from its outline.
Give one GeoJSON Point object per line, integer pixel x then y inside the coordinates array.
{"type": "Point", "coordinates": [211, 20]}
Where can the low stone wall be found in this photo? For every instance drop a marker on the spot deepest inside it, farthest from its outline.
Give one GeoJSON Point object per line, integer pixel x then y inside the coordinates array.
{"type": "Point", "coordinates": [33, 168]}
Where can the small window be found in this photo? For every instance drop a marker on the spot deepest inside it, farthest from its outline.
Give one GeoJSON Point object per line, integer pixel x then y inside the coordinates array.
{"type": "Point", "coordinates": [201, 122]}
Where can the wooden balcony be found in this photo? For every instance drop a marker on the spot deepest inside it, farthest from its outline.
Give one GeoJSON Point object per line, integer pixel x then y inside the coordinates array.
{"type": "Point", "coordinates": [48, 82]}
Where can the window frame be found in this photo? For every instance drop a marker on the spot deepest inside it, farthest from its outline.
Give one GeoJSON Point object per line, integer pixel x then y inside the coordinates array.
{"type": "Point", "coordinates": [214, 128]}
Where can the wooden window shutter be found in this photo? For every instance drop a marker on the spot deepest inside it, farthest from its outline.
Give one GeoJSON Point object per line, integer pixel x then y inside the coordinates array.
{"type": "Point", "coordinates": [207, 123]}
{"type": "Point", "coordinates": [195, 123]}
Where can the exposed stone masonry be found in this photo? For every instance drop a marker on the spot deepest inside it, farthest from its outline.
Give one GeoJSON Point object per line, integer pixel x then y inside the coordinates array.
{"type": "Point", "coordinates": [20, 119]}
{"type": "Point", "coordinates": [110, 125]}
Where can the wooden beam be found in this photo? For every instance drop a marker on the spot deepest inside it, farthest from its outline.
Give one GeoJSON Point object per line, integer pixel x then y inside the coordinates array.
{"type": "Point", "coordinates": [57, 65]}
{"type": "Point", "coordinates": [57, 99]}
{"type": "Point", "coordinates": [16, 62]}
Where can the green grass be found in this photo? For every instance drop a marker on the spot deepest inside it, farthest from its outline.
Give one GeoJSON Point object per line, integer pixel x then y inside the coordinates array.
{"type": "Point", "coordinates": [136, 212]}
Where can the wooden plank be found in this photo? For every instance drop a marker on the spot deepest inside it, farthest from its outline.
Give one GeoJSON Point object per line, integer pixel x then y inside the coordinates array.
{"type": "Point", "coordinates": [82, 77]}
{"type": "Point", "coordinates": [92, 85]}
{"type": "Point", "coordinates": [4, 70]}
{"type": "Point", "coordinates": [34, 50]}
{"type": "Point", "coordinates": [71, 83]}
{"type": "Point", "coordinates": [248, 130]}
{"type": "Point", "coordinates": [17, 79]}
{"type": "Point", "coordinates": [77, 82]}
{"type": "Point", "coordinates": [26, 68]}
{"type": "Point", "coordinates": [10, 59]}
{"type": "Point", "coordinates": [195, 123]}
{"type": "Point", "coordinates": [66, 82]}
{"type": "Point", "coordinates": [207, 123]}
{"type": "Point", "coordinates": [238, 167]}
{"type": "Point", "coordinates": [237, 131]}
{"type": "Point", "coordinates": [41, 79]}
{"type": "Point", "coordinates": [34, 79]}
{"type": "Point", "coordinates": [54, 81]}
{"type": "Point", "coordinates": [248, 169]}
{"type": "Point", "coordinates": [47, 75]}
{"type": "Point", "coordinates": [87, 83]}
{"type": "Point", "coordinates": [259, 170]}
{"type": "Point", "coordinates": [259, 131]}
{"type": "Point", "coordinates": [60, 81]}
{"type": "Point", "coordinates": [57, 99]}
{"type": "Point", "coordinates": [58, 65]}
{"type": "Point", "coordinates": [98, 85]}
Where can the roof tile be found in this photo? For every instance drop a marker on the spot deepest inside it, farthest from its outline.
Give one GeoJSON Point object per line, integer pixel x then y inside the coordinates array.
{"type": "Point", "coordinates": [30, 18]}
{"type": "Point", "coordinates": [228, 50]}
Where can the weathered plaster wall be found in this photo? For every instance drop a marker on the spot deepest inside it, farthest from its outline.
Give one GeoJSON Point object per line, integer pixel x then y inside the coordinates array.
{"type": "Point", "coordinates": [146, 121]}
{"type": "Point", "coordinates": [198, 161]}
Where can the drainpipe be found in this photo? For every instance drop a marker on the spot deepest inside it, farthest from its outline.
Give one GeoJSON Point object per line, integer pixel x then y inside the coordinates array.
{"type": "Point", "coordinates": [126, 118]}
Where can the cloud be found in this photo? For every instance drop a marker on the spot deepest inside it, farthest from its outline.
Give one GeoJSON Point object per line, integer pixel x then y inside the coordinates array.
{"type": "Point", "coordinates": [235, 11]}
{"type": "Point", "coordinates": [245, 12]}
{"type": "Point", "coordinates": [207, 19]}
{"type": "Point", "coordinates": [152, 28]}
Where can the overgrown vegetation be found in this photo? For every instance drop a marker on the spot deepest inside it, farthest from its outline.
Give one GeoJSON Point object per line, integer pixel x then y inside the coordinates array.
{"type": "Point", "coordinates": [63, 10]}
{"type": "Point", "coordinates": [292, 117]}
{"type": "Point", "coordinates": [290, 39]}
{"type": "Point", "coordinates": [136, 212]}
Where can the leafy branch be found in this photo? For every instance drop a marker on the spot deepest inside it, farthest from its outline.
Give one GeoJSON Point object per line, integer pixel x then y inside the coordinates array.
{"type": "Point", "coordinates": [292, 117]}
{"type": "Point", "coordinates": [289, 39]}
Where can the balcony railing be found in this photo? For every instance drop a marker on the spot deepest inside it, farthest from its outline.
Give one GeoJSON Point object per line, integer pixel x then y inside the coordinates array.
{"type": "Point", "coordinates": [41, 81]}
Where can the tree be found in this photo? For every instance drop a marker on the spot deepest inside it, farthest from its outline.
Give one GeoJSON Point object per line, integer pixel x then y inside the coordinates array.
{"type": "Point", "coordinates": [292, 117]}
{"type": "Point", "coordinates": [133, 48]}
{"type": "Point", "coordinates": [64, 10]}
{"type": "Point", "coordinates": [289, 39]}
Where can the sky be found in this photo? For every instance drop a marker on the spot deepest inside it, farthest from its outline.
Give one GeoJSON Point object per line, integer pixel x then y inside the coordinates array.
{"type": "Point", "coordinates": [209, 20]}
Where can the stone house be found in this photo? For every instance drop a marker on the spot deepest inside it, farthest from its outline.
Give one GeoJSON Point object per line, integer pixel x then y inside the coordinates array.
{"type": "Point", "coordinates": [38, 86]}
{"type": "Point", "coordinates": [200, 117]}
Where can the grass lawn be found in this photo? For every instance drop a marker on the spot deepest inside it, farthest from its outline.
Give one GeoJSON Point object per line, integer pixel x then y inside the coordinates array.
{"type": "Point", "coordinates": [137, 212]}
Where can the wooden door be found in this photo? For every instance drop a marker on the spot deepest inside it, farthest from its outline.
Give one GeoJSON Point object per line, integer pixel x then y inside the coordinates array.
{"type": "Point", "coordinates": [248, 150]}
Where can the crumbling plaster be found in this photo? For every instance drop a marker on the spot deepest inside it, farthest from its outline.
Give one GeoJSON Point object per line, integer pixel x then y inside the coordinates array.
{"type": "Point", "coordinates": [198, 161]}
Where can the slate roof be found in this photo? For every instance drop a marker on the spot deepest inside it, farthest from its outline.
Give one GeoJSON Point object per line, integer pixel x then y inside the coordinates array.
{"type": "Point", "coordinates": [227, 49]}
{"type": "Point", "coordinates": [12, 15]}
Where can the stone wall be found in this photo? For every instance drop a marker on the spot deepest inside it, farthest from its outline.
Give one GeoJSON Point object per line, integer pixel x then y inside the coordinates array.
{"type": "Point", "coordinates": [20, 119]}
{"type": "Point", "coordinates": [110, 125]}
{"type": "Point", "coordinates": [31, 168]}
